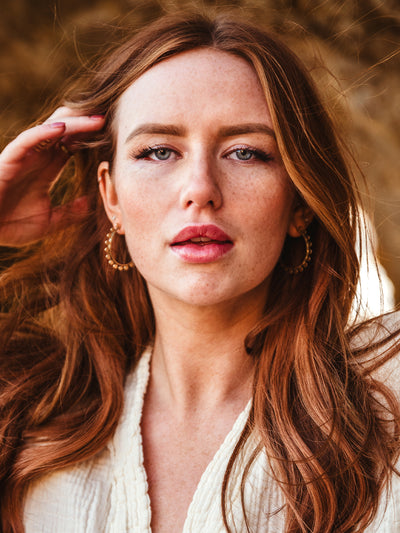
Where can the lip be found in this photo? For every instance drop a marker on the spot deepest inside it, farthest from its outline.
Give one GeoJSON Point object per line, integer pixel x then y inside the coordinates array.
{"type": "Point", "coordinates": [201, 252]}
{"type": "Point", "coordinates": [209, 231]}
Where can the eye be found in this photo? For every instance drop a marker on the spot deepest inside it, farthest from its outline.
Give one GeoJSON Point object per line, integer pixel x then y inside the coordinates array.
{"type": "Point", "coordinates": [154, 153]}
{"type": "Point", "coordinates": [244, 154]}
{"type": "Point", "coordinates": [248, 154]}
{"type": "Point", "coordinates": [161, 153]}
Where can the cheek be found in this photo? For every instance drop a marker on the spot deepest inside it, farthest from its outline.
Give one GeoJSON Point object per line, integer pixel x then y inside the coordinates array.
{"type": "Point", "coordinates": [143, 215]}
{"type": "Point", "coordinates": [268, 223]}
{"type": "Point", "coordinates": [141, 192]}
{"type": "Point", "coordinates": [137, 211]}
{"type": "Point", "coordinates": [268, 207]}
{"type": "Point", "coordinates": [137, 201]}
{"type": "Point", "coordinates": [139, 223]}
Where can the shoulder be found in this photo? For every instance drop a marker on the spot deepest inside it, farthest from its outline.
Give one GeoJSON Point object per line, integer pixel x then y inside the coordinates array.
{"type": "Point", "coordinates": [72, 499]}
{"type": "Point", "coordinates": [80, 498]}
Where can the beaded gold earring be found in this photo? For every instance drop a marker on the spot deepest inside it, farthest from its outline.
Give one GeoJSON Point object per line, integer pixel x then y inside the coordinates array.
{"type": "Point", "coordinates": [307, 258]}
{"type": "Point", "coordinates": [108, 251]}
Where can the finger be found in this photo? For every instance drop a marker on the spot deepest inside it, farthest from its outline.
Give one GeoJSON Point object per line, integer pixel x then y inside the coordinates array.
{"type": "Point", "coordinates": [41, 137]}
{"type": "Point", "coordinates": [82, 124]}
{"type": "Point", "coordinates": [47, 135]}
{"type": "Point", "coordinates": [78, 128]}
{"type": "Point", "coordinates": [75, 121]}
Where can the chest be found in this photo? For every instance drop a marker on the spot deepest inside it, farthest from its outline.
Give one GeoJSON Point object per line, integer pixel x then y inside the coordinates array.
{"type": "Point", "coordinates": [175, 459]}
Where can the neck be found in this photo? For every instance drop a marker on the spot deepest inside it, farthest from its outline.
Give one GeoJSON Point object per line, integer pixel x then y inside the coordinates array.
{"type": "Point", "coordinates": [199, 356]}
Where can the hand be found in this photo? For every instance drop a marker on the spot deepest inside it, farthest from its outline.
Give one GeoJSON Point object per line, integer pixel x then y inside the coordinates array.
{"type": "Point", "coordinates": [28, 167]}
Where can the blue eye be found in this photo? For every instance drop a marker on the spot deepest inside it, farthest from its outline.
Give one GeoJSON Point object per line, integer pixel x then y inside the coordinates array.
{"type": "Point", "coordinates": [154, 153]}
{"type": "Point", "coordinates": [244, 154]}
{"type": "Point", "coordinates": [249, 154]}
{"type": "Point", "coordinates": [161, 153]}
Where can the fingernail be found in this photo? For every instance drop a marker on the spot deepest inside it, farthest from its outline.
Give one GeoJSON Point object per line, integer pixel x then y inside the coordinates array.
{"type": "Point", "coordinates": [97, 117]}
{"type": "Point", "coordinates": [56, 125]}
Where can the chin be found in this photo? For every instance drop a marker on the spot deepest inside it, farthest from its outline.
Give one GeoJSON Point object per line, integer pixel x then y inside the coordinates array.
{"type": "Point", "coordinates": [210, 291]}
{"type": "Point", "coordinates": [203, 297]}
{"type": "Point", "coordinates": [217, 296]}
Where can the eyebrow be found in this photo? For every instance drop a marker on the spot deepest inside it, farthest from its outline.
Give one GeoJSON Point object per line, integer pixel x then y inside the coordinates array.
{"type": "Point", "coordinates": [165, 129]}
{"type": "Point", "coordinates": [251, 127]}
{"type": "Point", "coordinates": [178, 131]}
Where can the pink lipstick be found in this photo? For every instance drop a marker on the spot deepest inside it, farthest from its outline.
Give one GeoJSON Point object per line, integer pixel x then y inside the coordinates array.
{"type": "Point", "coordinates": [201, 244]}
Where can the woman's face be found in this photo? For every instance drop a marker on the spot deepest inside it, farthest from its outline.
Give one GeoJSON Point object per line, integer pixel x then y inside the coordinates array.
{"type": "Point", "coordinates": [197, 185]}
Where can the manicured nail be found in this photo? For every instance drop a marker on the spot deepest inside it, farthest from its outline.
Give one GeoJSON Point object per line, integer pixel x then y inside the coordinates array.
{"type": "Point", "coordinates": [56, 125]}
{"type": "Point", "coordinates": [97, 117]}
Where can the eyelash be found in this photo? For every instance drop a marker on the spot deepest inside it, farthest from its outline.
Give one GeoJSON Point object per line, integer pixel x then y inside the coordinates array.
{"type": "Point", "coordinates": [259, 154]}
{"type": "Point", "coordinates": [146, 151]}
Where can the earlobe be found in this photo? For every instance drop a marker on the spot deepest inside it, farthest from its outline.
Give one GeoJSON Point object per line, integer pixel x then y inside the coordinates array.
{"type": "Point", "coordinates": [301, 218]}
{"type": "Point", "coordinates": [109, 195]}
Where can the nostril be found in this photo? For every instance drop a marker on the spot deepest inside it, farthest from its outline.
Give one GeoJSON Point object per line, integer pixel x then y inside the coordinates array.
{"type": "Point", "coordinates": [200, 204]}
{"type": "Point", "coordinates": [200, 192]}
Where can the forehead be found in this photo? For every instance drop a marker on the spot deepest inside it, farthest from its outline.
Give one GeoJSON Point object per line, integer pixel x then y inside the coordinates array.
{"type": "Point", "coordinates": [186, 86]}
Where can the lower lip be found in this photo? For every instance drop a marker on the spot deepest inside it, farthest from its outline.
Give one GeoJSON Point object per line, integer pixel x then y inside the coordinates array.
{"type": "Point", "coordinates": [205, 253]}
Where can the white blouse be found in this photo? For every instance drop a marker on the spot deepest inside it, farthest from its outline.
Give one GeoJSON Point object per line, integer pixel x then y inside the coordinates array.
{"type": "Point", "coordinates": [108, 493]}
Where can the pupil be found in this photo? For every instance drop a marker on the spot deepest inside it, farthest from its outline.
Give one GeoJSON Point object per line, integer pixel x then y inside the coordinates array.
{"type": "Point", "coordinates": [162, 153]}
{"type": "Point", "coordinates": [244, 154]}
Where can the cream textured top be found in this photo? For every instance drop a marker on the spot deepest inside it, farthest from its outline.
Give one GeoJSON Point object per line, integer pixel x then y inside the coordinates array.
{"type": "Point", "coordinates": [108, 493]}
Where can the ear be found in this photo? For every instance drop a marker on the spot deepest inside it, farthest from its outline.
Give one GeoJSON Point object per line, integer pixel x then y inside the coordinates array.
{"type": "Point", "coordinates": [109, 195]}
{"type": "Point", "coordinates": [301, 217]}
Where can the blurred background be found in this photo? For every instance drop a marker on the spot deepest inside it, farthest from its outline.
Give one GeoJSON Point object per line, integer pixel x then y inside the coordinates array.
{"type": "Point", "coordinates": [44, 42]}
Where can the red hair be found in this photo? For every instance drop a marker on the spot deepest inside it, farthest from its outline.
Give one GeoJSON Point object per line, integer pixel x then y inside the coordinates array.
{"type": "Point", "coordinates": [71, 329]}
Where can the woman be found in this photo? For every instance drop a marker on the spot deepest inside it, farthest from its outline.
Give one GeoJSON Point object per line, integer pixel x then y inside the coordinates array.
{"type": "Point", "coordinates": [200, 360]}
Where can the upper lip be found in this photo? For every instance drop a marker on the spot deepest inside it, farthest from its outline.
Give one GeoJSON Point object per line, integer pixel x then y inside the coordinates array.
{"type": "Point", "coordinates": [207, 231]}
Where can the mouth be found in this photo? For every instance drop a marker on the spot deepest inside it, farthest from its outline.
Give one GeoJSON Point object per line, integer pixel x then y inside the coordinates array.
{"type": "Point", "coordinates": [201, 235]}
{"type": "Point", "coordinates": [200, 241]}
{"type": "Point", "coordinates": [201, 244]}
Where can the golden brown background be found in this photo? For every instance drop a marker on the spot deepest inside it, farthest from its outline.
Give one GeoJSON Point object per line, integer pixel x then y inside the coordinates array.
{"type": "Point", "coordinates": [43, 42]}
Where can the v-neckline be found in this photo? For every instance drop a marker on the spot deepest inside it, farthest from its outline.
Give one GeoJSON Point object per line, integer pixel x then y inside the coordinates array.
{"type": "Point", "coordinates": [132, 418]}
{"type": "Point", "coordinates": [220, 454]}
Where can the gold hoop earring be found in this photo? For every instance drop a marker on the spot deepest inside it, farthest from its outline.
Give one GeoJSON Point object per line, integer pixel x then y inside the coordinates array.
{"type": "Point", "coordinates": [307, 258]}
{"type": "Point", "coordinates": [108, 253]}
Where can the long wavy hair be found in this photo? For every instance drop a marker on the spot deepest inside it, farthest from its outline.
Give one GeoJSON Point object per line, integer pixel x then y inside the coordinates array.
{"type": "Point", "coordinates": [72, 328]}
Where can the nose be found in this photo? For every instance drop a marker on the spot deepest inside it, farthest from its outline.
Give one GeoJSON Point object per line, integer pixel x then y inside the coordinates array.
{"type": "Point", "coordinates": [201, 188]}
